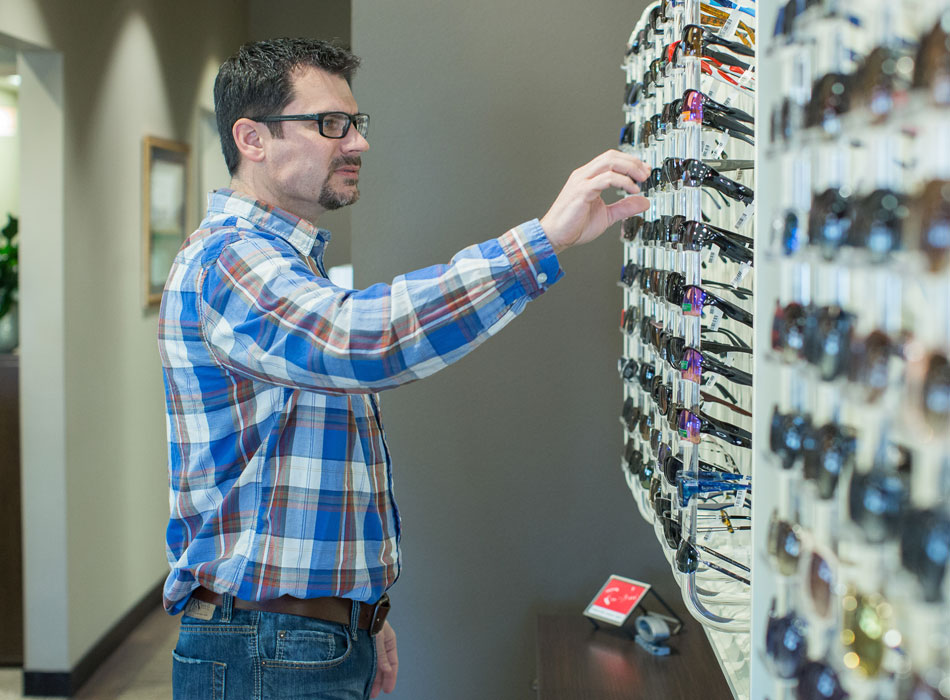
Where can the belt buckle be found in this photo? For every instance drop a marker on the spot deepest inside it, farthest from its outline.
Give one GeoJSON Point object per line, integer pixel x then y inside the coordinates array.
{"type": "Point", "coordinates": [380, 611]}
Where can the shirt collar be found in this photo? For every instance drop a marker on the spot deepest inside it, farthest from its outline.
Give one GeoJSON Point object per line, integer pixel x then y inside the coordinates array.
{"type": "Point", "coordinates": [300, 233]}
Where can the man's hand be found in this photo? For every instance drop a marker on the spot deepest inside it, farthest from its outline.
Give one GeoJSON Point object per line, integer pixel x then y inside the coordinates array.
{"type": "Point", "coordinates": [387, 662]}
{"type": "Point", "coordinates": [579, 215]}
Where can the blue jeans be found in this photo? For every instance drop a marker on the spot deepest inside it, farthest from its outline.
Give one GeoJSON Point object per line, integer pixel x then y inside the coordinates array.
{"type": "Point", "coordinates": [254, 655]}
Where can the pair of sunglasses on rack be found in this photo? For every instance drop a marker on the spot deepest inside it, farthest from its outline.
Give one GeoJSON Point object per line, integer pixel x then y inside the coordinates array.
{"type": "Point", "coordinates": [882, 223]}
{"type": "Point", "coordinates": [819, 336]}
{"type": "Point", "coordinates": [692, 172]}
{"type": "Point", "coordinates": [677, 110]}
{"type": "Point", "coordinates": [637, 465]}
{"type": "Point", "coordinates": [878, 499]}
{"type": "Point", "coordinates": [786, 651]}
{"type": "Point", "coordinates": [671, 231]}
{"type": "Point", "coordinates": [668, 285]}
{"type": "Point", "coordinates": [825, 452]}
{"type": "Point", "coordinates": [670, 465]}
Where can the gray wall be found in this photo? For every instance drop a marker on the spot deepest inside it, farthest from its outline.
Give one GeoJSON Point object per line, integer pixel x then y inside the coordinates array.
{"type": "Point", "coordinates": [506, 464]}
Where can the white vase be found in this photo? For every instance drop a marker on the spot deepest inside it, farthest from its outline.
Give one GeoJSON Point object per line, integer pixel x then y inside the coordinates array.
{"type": "Point", "coordinates": [10, 330]}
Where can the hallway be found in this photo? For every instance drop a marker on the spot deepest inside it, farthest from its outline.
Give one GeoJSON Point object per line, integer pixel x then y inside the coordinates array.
{"type": "Point", "coordinates": [140, 669]}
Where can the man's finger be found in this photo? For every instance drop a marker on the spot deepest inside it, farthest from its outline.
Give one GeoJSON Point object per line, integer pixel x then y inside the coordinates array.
{"type": "Point", "coordinates": [616, 161]}
{"type": "Point", "coordinates": [610, 179]}
{"type": "Point", "coordinates": [627, 207]}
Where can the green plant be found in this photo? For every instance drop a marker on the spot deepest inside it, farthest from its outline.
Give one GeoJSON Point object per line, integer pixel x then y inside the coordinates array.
{"type": "Point", "coordinates": [9, 253]}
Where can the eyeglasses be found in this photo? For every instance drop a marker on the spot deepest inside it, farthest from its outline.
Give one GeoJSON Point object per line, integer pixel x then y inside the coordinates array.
{"type": "Point", "coordinates": [925, 549]}
{"type": "Point", "coordinates": [332, 125]}
{"type": "Point", "coordinates": [670, 465]}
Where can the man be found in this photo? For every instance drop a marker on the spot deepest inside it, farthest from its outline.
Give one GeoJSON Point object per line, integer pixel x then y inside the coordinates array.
{"type": "Point", "coordinates": [284, 535]}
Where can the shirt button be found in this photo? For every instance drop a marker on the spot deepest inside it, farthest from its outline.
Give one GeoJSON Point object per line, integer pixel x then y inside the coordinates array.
{"type": "Point", "coordinates": [542, 278]}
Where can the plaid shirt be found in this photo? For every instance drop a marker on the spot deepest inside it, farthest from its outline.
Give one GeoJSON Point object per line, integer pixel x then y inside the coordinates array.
{"type": "Point", "coordinates": [280, 477]}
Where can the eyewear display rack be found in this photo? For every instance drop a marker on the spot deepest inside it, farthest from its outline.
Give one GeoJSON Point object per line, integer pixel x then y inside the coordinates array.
{"type": "Point", "coordinates": [672, 394]}
{"type": "Point", "coordinates": [846, 484]}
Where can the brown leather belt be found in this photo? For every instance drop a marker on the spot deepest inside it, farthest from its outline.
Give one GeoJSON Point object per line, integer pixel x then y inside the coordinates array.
{"type": "Point", "coordinates": [371, 618]}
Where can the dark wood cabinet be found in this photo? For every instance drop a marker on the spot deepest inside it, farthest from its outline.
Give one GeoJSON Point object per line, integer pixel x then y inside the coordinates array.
{"type": "Point", "coordinates": [11, 548]}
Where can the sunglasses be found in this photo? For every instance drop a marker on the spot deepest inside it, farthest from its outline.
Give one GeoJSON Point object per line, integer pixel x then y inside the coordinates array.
{"type": "Point", "coordinates": [925, 549]}
{"type": "Point", "coordinates": [692, 172]}
{"type": "Point", "coordinates": [881, 82]}
{"type": "Point", "coordinates": [687, 561]}
{"type": "Point", "coordinates": [877, 502]}
{"type": "Point", "coordinates": [830, 96]}
{"type": "Point", "coordinates": [818, 681]}
{"type": "Point", "coordinates": [820, 336]}
{"type": "Point", "coordinates": [829, 221]}
{"type": "Point", "coordinates": [927, 397]}
{"type": "Point", "coordinates": [696, 235]}
{"type": "Point", "coordinates": [827, 453]}
{"type": "Point", "coordinates": [695, 105]}
{"type": "Point", "coordinates": [867, 631]}
{"type": "Point", "coordinates": [928, 226]}
{"type": "Point", "coordinates": [630, 227]}
{"type": "Point", "coordinates": [786, 644]}
{"type": "Point", "coordinates": [697, 39]}
{"type": "Point", "coordinates": [694, 300]}
{"type": "Point", "coordinates": [678, 110]}
{"type": "Point", "coordinates": [692, 425]}
{"type": "Point", "coordinates": [932, 63]}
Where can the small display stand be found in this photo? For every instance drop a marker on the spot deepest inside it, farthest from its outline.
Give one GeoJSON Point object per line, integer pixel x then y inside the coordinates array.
{"type": "Point", "coordinates": [615, 604]}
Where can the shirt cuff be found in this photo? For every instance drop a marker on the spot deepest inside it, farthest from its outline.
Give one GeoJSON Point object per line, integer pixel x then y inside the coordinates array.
{"type": "Point", "coordinates": [532, 257]}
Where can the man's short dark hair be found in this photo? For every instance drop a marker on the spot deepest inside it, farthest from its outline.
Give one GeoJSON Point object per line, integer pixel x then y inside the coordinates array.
{"type": "Point", "coordinates": [256, 81]}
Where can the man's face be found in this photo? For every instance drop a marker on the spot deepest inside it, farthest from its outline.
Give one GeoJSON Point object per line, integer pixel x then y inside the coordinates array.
{"type": "Point", "coordinates": [309, 173]}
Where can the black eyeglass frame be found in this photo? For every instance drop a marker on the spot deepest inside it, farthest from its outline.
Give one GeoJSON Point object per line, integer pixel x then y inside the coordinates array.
{"type": "Point", "coordinates": [360, 120]}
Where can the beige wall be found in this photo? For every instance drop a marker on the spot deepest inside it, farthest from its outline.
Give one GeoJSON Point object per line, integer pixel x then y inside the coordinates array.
{"type": "Point", "coordinates": [9, 164]}
{"type": "Point", "coordinates": [129, 69]}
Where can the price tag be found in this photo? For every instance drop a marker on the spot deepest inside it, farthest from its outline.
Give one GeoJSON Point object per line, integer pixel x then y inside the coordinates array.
{"type": "Point", "coordinates": [740, 498]}
{"type": "Point", "coordinates": [720, 145]}
{"type": "Point", "coordinates": [741, 274]}
{"type": "Point", "coordinates": [746, 215]}
{"type": "Point", "coordinates": [711, 257]}
{"type": "Point", "coordinates": [716, 319]}
{"type": "Point", "coordinates": [728, 30]}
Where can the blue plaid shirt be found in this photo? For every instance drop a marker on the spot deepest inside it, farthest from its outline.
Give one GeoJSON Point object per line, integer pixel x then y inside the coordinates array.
{"type": "Point", "coordinates": [280, 477]}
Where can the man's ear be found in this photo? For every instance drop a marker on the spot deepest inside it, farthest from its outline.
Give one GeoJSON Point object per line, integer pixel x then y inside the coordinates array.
{"type": "Point", "coordinates": [247, 138]}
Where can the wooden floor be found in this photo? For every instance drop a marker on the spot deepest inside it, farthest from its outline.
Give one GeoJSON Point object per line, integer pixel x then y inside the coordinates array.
{"type": "Point", "coordinates": [140, 669]}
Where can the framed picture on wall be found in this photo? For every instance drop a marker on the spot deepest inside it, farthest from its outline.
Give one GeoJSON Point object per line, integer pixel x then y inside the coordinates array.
{"type": "Point", "coordinates": [165, 207]}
